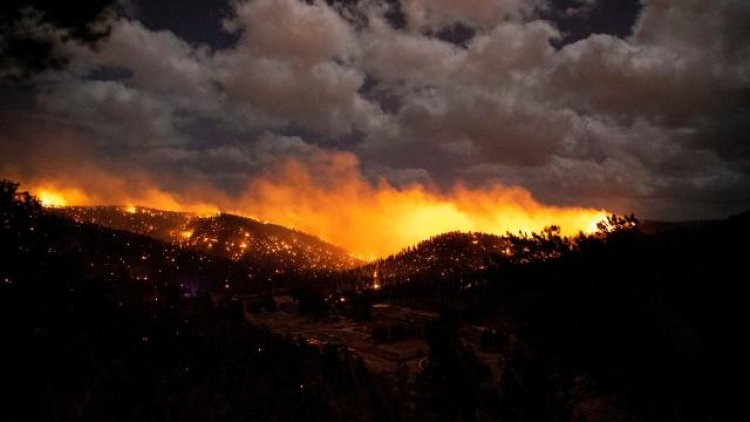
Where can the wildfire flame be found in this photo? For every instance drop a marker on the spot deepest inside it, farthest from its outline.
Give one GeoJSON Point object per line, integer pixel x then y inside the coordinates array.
{"type": "Point", "coordinates": [53, 196]}
{"type": "Point", "coordinates": [377, 220]}
{"type": "Point", "coordinates": [334, 201]}
{"type": "Point", "coordinates": [51, 199]}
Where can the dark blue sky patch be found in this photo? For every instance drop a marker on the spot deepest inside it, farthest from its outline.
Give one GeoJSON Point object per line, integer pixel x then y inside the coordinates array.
{"type": "Point", "coordinates": [613, 17]}
{"type": "Point", "coordinates": [456, 33]}
{"type": "Point", "coordinates": [373, 91]}
{"type": "Point", "coordinates": [395, 15]}
{"type": "Point", "coordinates": [195, 21]}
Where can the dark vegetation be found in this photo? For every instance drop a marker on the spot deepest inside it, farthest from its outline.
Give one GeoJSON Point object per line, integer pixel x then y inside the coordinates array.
{"type": "Point", "coordinates": [86, 337]}
{"type": "Point", "coordinates": [623, 325]}
{"type": "Point", "coordinates": [620, 325]}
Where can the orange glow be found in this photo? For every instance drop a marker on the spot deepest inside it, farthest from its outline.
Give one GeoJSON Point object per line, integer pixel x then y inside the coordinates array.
{"type": "Point", "coordinates": [331, 199]}
{"type": "Point", "coordinates": [186, 235]}
{"type": "Point", "coordinates": [51, 199]}
{"type": "Point", "coordinates": [335, 202]}
{"type": "Point", "coordinates": [95, 187]}
{"type": "Point", "coordinates": [375, 281]}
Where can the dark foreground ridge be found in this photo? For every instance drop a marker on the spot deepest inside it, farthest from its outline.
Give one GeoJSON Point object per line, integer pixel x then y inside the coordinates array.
{"type": "Point", "coordinates": [100, 324]}
{"type": "Point", "coordinates": [624, 325]}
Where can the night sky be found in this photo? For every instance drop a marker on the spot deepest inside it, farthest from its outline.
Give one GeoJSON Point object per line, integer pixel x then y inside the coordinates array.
{"type": "Point", "coordinates": [620, 105]}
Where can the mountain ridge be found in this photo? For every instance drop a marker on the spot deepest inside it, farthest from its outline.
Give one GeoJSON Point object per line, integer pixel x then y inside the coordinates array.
{"type": "Point", "coordinates": [269, 247]}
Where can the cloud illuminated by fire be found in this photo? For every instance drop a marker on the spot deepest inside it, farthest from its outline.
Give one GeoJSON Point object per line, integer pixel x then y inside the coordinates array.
{"type": "Point", "coordinates": [331, 199]}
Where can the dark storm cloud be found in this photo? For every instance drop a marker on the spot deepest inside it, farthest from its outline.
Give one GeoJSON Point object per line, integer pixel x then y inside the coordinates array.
{"type": "Point", "coordinates": [626, 105]}
{"type": "Point", "coordinates": [24, 50]}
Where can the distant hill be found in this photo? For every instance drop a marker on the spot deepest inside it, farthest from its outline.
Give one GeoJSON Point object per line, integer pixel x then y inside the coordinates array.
{"type": "Point", "coordinates": [459, 256]}
{"type": "Point", "coordinates": [444, 256]}
{"type": "Point", "coordinates": [162, 225]}
{"type": "Point", "coordinates": [271, 250]}
{"type": "Point", "coordinates": [456, 256]}
{"type": "Point", "coordinates": [267, 246]}
{"type": "Point", "coordinates": [121, 257]}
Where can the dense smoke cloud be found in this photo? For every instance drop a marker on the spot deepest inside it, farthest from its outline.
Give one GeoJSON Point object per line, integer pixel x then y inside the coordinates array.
{"type": "Point", "coordinates": [653, 121]}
